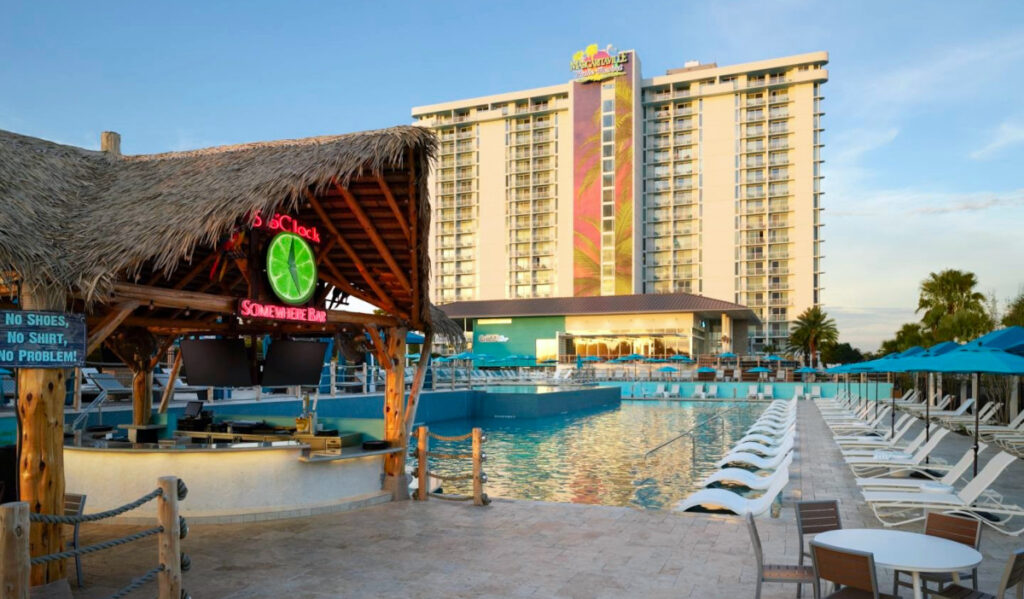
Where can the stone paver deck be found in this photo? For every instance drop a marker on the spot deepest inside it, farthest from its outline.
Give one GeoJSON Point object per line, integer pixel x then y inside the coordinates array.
{"type": "Point", "coordinates": [509, 549]}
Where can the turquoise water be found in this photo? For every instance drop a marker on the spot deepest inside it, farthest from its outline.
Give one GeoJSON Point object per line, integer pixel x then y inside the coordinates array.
{"type": "Point", "coordinates": [597, 457]}
{"type": "Point", "coordinates": [526, 389]}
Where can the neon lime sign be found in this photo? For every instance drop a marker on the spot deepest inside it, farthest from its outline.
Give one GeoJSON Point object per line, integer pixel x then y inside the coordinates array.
{"type": "Point", "coordinates": [291, 268]}
{"type": "Point", "coordinates": [593, 64]}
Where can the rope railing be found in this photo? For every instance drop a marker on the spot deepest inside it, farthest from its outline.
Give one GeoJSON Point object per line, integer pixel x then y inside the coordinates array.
{"type": "Point", "coordinates": [424, 474]}
{"type": "Point", "coordinates": [16, 520]}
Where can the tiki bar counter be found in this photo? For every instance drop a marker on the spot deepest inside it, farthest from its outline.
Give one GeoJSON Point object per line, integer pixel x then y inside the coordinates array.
{"type": "Point", "coordinates": [211, 255]}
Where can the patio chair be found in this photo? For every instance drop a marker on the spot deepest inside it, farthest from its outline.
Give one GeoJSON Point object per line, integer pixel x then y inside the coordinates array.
{"type": "Point", "coordinates": [940, 414]}
{"type": "Point", "coordinates": [815, 391]}
{"type": "Point", "coordinates": [814, 517]}
{"type": "Point", "coordinates": [1013, 576]}
{"type": "Point", "coordinates": [712, 391]}
{"type": "Point", "coordinates": [799, 574]}
{"type": "Point", "coordinates": [768, 393]}
{"type": "Point", "coordinates": [752, 391]}
{"type": "Point", "coordinates": [759, 462]}
{"type": "Point", "coordinates": [893, 446]}
{"type": "Point", "coordinates": [990, 431]}
{"type": "Point", "coordinates": [894, 508]}
{"type": "Point", "coordinates": [109, 385]}
{"type": "Point", "coordinates": [852, 569]}
{"type": "Point", "coordinates": [698, 391]}
{"type": "Point", "coordinates": [74, 505]}
{"type": "Point", "coordinates": [954, 528]}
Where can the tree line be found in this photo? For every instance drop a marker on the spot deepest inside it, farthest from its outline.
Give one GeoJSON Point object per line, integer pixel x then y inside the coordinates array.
{"type": "Point", "coordinates": [951, 309]}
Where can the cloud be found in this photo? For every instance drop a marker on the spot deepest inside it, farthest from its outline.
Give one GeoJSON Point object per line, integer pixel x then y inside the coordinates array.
{"type": "Point", "coordinates": [955, 71]}
{"type": "Point", "coordinates": [1007, 134]}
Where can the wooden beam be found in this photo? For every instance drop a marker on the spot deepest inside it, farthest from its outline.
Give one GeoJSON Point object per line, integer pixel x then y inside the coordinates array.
{"type": "Point", "coordinates": [390, 198]}
{"type": "Point", "coordinates": [353, 256]}
{"type": "Point", "coordinates": [109, 323]}
{"type": "Point", "coordinates": [198, 268]}
{"type": "Point", "coordinates": [378, 346]}
{"type": "Point", "coordinates": [371, 230]}
{"type": "Point", "coordinates": [417, 384]}
{"type": "Point", "coordinates": [165, 399]}
{"type": "Point", "coordinates": [414, 242]}
{"type": "Point", "coordinates": [394, 417]}
{"type": "Point", "coordinates": [161, 350]}
{"type": "Point", "coordinates": [41, 456]}
{"type": "Point", "coordinates": [176, 298]}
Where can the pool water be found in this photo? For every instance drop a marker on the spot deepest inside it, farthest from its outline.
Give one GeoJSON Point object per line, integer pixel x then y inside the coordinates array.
{"type": "Point", "coordinates": [528, 388]}
{"type": "Point", "coordinates": [596, 457]}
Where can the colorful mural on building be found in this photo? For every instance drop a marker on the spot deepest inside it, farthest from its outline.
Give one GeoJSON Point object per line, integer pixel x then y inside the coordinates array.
{"type": "Point", "coordinates": [587, 183]}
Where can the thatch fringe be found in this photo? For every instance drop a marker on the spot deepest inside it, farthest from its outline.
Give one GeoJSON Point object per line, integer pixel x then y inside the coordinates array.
{"type": "Point", "coordinates": [80, 220]}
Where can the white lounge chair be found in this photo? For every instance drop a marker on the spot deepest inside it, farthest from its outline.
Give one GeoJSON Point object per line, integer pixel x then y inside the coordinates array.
{"type": "Point", "coordinates": [698, 391]}
{"type": "Point", "coordinates": [712, 391]}
{"type": "Point", "coordinates": [989, 431]}
{"type": "Point", "coordinates": [894, 460]}
{"type": "Point", "coordinates": [741, 477]}
{"type": "Point", "coordinates": [725, 500]}
{"type": "Point", "coordinates": [901, 427]}
{"type": "Point", "coordinates": [906, 483]}
{"type": "Point", "coordinates": [759, 462]}
{"type": "Point", "coordinates": [895, 447]}
{"type": "Point", "coordinates": [798, 392]}
{"type": "Point", "coordinates": [985, 416]}
{"type": "Point", "coordinates": [762, 449]}
{"type": "Point", "coordinates": [767, 392]}
{"type": "Point", "coordinates": [894, 508]}
{"type": "Point", "coordinates": [752, 392]}
{"type": "Point", "coordinates": [815, 391]}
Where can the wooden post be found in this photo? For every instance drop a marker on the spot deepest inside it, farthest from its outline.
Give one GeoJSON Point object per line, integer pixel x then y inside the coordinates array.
{"type": "Point", "coordinates": [15, 563]}
{"type": "Point", "coordinates": [478, 483]}
{"type": "Point", "coordinates": [41, 461]}
{"type": "Point", "coordinates": [76, 401]}
{"type": "Point", "coordinates": [394, 412]}
{"type": "Point", "coordinates": [334, 376]}
{"type": "Point", "coordinates": [165, 399]}
{"type": "Point", "coordinates": [417, 384]}
{"type": "Point", "coordinates": [366, 380]}
{"type": "Point", "coordinates": [422, 472]}
{"type": "Point", "coordinates": [169, 581]}
{"type": "Point", "coordinates": [142, 396]}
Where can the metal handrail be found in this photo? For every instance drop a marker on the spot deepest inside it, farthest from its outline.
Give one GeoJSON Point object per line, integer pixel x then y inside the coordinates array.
{"type": "Point", "coordinates": [689, 432]}
{"type": "Point", "coordinates": [83, 416]}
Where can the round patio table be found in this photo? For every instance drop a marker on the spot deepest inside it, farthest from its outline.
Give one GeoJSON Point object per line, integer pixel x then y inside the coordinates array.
{"type": "Point", "coordinates": [907, 551]}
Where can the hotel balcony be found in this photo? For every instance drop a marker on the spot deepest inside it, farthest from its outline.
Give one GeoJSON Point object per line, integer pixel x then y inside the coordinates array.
{"type": "Point", "coordinates": [754, 102]}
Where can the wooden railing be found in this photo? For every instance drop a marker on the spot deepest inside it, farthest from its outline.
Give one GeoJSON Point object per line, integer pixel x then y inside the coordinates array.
{"type": "Point", "coordinates": [16, 563]}
{"type": "Point", "coordinates": [423, 473]}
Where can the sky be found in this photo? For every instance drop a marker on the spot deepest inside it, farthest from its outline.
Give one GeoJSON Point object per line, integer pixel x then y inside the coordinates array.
{"type": "Point", "coordinates": [924, 154]}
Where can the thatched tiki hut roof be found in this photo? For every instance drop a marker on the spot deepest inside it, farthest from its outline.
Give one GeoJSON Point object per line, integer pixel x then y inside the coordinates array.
{"type": "Point", "coordinates": [97, 226]}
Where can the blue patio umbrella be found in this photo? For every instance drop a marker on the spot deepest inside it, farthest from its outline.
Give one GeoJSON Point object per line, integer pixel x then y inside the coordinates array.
{"type": "Point", "coordinates": [727, 354]}
{"type": "Point", "coordinates": [591, 359]}
{"type": "Point", "coordinates": [971, 360]}
{"type": "Point", "coordinates": [805, 370]}
{"type": "Point", "coordinates": [668, 369]}
{"type": "Point", "coordinates": [681, 358]}
{"type": "Point", "coordinates": [1010, 339]}
{"type": "Point", "coordinates": [774, 358]}
{"type": "Point", "coordinates": [706, 370]}
{"type": "Point", "coordinates": [760, 369]}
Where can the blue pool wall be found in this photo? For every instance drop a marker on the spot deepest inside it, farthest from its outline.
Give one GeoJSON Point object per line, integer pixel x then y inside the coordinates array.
{"type": "Point", "coordinates": [739, 390]}
{"type": "Point", "coordinates": [362, 413]}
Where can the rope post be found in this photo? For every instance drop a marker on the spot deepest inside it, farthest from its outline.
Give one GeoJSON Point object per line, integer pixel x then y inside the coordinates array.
{"type": "Point", "coordinates": [478, 483]}
{"type": "Point", "coordinates": [15, 563]}
{"type": "Point", "coordinates": [422, 446]}
{"type": "Point", "coordinates": [169, 580]}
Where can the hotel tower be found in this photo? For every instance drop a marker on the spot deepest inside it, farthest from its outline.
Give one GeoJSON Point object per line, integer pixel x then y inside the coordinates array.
{"type": "Point", "coordinates": [705, 180]}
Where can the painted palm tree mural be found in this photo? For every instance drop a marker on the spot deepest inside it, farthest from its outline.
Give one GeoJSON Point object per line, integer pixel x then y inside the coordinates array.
{"type": "Point", "coordinates": [624, 184]}
{"type": "Point", "coordinates": [587, 191]}
{"type": "Point", "coordinates": [587, 177]}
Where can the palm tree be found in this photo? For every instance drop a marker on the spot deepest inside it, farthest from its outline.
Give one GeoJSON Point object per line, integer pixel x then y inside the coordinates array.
{"type": "Point", "coordinates": [947, 293]}
{"type": "Point", "coordinates": [811, 330]}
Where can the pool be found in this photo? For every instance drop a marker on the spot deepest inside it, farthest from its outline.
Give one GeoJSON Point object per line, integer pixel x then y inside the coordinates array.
{"type": "Point", "coordinates": [531, 388]}
{"type": "Point", "coordinates": [596, 457]}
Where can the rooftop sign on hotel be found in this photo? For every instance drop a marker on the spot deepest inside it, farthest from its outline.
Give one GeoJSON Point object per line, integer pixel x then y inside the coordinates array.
{"type": "Point", "coordinates": [594, 65]}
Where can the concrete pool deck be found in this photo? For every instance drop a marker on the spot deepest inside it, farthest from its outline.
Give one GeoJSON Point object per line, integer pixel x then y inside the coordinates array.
{"type": "Point", "coordinates": [516, 548]}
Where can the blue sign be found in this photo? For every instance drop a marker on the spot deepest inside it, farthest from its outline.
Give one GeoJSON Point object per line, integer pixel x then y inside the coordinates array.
{"type": "Point", "coordinates": [31, 339]}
